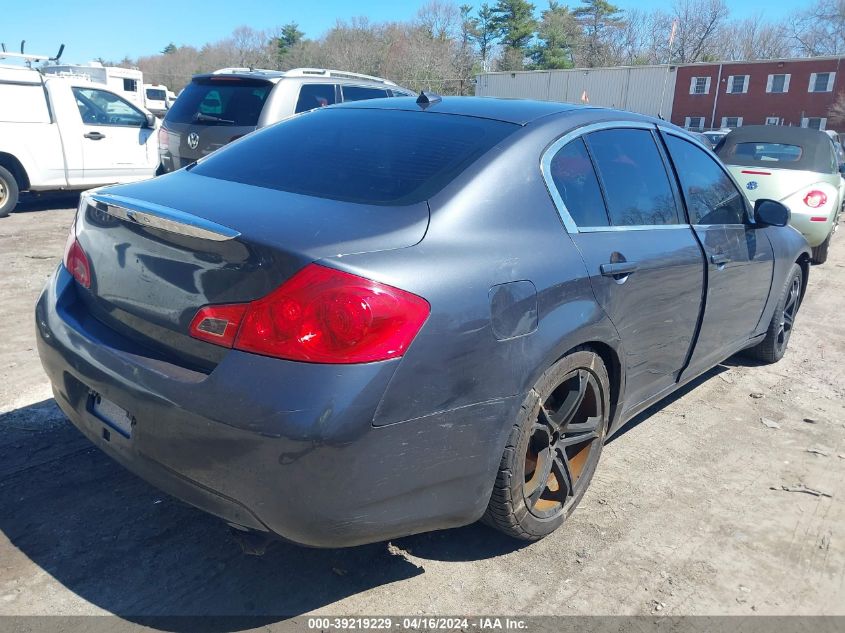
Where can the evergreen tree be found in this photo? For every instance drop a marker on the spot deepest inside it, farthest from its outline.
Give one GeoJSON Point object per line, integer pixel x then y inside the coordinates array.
{"type": "Point", "coordinates": [515, 25]}
{"type": "Point", "coordinates": [557, 36]}
{"type": "Point", "coordinates": [597, 19]}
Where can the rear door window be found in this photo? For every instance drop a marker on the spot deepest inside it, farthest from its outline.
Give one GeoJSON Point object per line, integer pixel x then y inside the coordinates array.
{"type": "Point", "coordinates": [361, 93]}
{"type": "Point", "coordinates": [313, 96]}
{"type": "Point", "coordinates": [636, 186]}
{"type": "Point", "coordinates": [710, 194]}
{"type": "Point", "coordinates": [380, 157]}
{"type": "Point", "coordinates": [221, 101]}
{"type": "Point", "coordinates": [575, 180]}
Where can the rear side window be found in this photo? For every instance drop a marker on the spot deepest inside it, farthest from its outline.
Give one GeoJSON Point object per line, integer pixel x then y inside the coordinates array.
{"type": "Point", "coordinates": [220, 101]}
{"type": "Point", "coordinates": [367, 156]}
{"type": "Point", "coordinates": [359, 93]}
{"type": "Point", "coordinates": [769, 152]}
{"type": "Point", "coordinates": [632, 172]}
{"type": "Point", "coordinates": [711, 196]}
{"type": "Point", "coordinates": [315, 96]}
{"type": "Point", "coordinates": [575, 180]}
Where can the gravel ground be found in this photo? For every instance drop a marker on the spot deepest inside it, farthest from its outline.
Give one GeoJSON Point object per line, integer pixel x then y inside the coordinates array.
{"type": "Point", "coordinates": [686, 515]}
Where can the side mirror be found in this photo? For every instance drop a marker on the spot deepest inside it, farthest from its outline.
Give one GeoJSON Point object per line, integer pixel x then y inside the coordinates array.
{"type": "Point", "coordinates": [151, 120]}
{"type": "Point", "coordinates": [771, 213]}
{"type": "Point", "coordinates": [842, 169]}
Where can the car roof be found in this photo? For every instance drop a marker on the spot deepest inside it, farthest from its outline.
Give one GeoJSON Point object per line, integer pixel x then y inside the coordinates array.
{"type": "Point", "coordinates": [320, 74]}
{"type": "Point", "coordinates": [519, 111]}
{"type": "Point", "coordinates": [815, 146]}
{"type": "Point", "coordinates": [777, 134]}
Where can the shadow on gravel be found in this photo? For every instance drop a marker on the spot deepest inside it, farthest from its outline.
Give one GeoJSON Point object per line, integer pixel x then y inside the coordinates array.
{"type": "Point", "coordinates": [30, 202]}
{"type": "Point", "coordinates": [127, 548]}
{"type": "Point", "coordinates": [680, 393]}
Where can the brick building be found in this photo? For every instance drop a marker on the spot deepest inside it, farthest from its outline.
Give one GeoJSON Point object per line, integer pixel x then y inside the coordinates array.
{"type": "Point", "coordinates": [774, 92]}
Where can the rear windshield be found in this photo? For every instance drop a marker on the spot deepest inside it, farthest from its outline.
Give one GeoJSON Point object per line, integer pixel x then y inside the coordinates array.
{"type": "Point", "coordinates": [765, 152]}
{"type": "Point", "coordinates": [220, 101]}
{"type": "Point", "coordinates": [365, 156]}
{"type": "Point", "coordinates": [155, 95]}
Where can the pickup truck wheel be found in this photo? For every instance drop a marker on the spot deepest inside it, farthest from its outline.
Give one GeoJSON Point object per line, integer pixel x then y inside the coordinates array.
{"type": "Point", "coordinates": [553, 448]}
{"type": "Point", "coordinates": [8, 192]}
{"type": "Point", "coordinates": [772, 348]}
{"type": "Point", "coordinates": [819, 255]}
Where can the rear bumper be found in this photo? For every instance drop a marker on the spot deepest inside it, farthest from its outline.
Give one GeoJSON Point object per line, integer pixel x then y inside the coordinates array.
{"type": "Point", "coordinates": [814, 232]}
{"type": "Point", "coordinates": [270, 444]}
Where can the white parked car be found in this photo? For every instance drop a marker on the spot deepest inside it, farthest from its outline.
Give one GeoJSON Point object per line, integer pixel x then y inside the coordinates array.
{"type": "Point", "coordinates": [156, 99]}
{"type": "Point", "coordinates": [59, 133]}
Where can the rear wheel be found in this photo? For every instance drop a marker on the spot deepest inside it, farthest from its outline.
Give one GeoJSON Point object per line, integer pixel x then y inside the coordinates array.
{"type": "Point", "coordinates": [820, 252]}
{"type": "Point", "coordinates": [772, 348]}
{"type": "Point", "coordinates": [553, 448]}
{"type": "Point", "coordinates": [8, 192]}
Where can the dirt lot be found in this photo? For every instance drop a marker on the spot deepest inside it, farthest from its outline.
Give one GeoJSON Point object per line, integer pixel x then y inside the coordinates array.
{"type": "Point", "coordinates": [686, 514]}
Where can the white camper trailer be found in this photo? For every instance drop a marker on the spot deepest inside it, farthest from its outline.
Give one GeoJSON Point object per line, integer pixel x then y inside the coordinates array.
{"type": "Point", "coordinates": [127, 82]}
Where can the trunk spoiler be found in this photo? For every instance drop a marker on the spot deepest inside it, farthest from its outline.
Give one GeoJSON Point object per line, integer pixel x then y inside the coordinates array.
{"type": "Point", "coordinates": [163, 218]}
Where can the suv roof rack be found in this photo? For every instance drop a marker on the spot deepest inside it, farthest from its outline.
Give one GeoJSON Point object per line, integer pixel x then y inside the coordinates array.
{"type": "Point", "coordinates": [232, 71]}
{"type": "Point", "coordinates": [343, 74]}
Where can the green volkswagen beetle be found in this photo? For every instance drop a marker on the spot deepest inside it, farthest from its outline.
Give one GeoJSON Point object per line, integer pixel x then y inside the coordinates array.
{"type": "Point", "coordinates": [796, 166]}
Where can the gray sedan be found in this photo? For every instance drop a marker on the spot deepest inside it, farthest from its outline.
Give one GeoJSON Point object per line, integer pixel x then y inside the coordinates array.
{"type": "Point", "coordinates": [402, 315]}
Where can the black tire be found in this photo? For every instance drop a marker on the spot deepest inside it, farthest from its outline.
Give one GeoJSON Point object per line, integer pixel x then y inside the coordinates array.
{"type": "Point", "coordinates": [772, 348]}
{"type": "Point", "coordinates": [574, 392]}
{"type": "Point", "coordinates": [9, 192]}
{"type": "Point", "coordinates": [819, 255]}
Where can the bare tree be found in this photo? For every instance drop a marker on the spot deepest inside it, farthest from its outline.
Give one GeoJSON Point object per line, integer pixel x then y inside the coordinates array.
{"type": "Point", "coordinates": [754, 38]}
{"type": "Point", "coordinates": [441, 20]}
{"type": "Point", "coordinates": [820, 30]}
{"type": "Point", "coordinates": [699, 21]}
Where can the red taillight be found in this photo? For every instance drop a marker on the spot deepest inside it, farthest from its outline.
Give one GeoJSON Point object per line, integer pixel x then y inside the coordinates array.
{"type": "Point", "coordinates": [815, 198]}
{"type": "Point", "coordinates": [319, 315]}
{"type": "Point", "coordinates": [163, 138]}
{"type": "Point", "coordinates": [76, 261]}
{"type": "Point", "coordinates": [818, 218]}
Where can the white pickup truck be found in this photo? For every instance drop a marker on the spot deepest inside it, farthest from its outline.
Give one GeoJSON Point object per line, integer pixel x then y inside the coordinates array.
{"type": "Point", "coordinates": [59, 133]}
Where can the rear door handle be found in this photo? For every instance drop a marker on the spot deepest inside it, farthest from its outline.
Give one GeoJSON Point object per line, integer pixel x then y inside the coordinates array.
{"type": "Point", "coordinates": [94, 136]}
{"type": "Point", "coordinates": [719, 259]}
{"type": "Point", "coordinates": [617, 269]}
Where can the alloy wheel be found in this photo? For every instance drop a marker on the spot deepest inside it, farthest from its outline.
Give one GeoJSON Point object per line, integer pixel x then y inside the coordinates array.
{"type": "Point", "coordinates": [562, 449]}
{"type": "Point", "coordinates": [790, 309]}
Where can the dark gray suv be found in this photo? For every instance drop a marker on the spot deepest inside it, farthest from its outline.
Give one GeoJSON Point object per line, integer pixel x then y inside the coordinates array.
{"type": "Point", "coordinates": [220, 107]}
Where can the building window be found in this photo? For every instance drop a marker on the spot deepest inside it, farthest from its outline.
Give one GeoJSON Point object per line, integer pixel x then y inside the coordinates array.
{"type": "Point", "coordinates": [772, 120]}
{"type": "Point", "coordinates": [778, 83]}
{"type": "Point", "coordinates": [694, 123]}
{"type": "Point", "coordinates": [130, 85]}
{"type": "Point", "coordinates": [814, 123]}
{"type": "Point", "coordinates": [737, 84]}
{"type": "Point", "coordinates": [731, 121]}
{"type": "Point", "coordinates": [821, 82]}
{"type": "Point", "coordinates": [699, 86]}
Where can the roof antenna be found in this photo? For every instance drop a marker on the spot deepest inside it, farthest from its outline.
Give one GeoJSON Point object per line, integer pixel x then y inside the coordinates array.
{"type": "Point", "coordinates": [428, 98]}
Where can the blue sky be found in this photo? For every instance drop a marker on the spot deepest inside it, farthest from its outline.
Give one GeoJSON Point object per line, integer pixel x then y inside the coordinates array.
{"type": "Point", "coordinates": [110, 29]}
